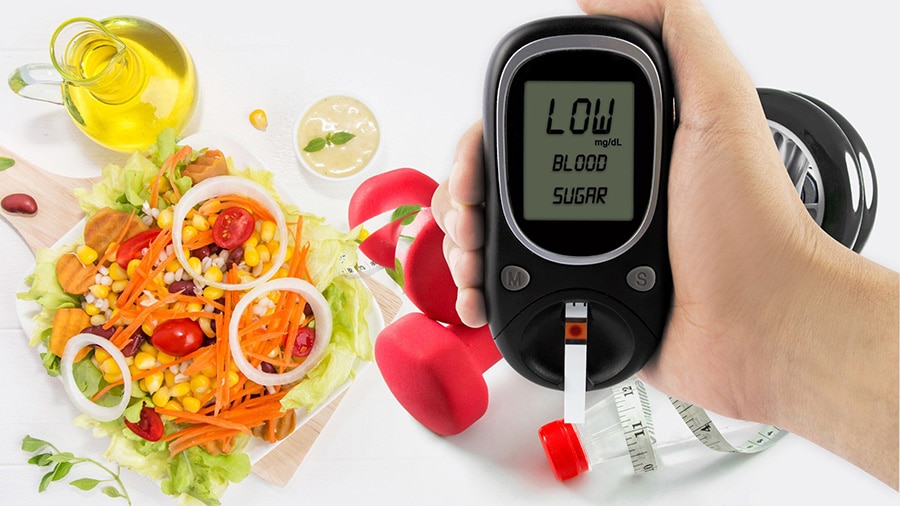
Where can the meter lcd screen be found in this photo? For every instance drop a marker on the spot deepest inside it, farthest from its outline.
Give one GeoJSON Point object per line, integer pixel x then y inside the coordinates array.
{"type": "Point", "coordinates": [578, 150]}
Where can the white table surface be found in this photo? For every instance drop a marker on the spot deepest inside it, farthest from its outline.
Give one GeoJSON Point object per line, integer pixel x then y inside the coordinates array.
{"type": "Point", "coordinates": [420, 65]}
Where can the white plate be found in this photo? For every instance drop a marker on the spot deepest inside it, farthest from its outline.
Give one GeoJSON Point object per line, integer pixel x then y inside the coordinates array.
{"type": "Point", "coordinates": [242, 158]}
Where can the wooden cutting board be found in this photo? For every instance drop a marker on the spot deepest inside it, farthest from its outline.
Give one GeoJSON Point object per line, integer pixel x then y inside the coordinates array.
{"type": "Point", "coordinates": [58, 212]}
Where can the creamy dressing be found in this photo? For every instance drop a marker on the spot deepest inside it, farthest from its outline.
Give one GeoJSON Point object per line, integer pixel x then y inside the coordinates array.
{"type": "Point", "coordinates": [332, 115]}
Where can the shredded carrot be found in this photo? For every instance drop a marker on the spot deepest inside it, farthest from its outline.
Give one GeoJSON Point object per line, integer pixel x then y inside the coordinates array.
{"type": "Point", "coordinates": [168, 165]}
{"type": "Point", "coordinates": [214, 206]}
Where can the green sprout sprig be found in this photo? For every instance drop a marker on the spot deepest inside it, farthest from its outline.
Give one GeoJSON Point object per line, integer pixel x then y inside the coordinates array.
{"type": "Point", "coordinates": [63, 462]}
{"type": "Point", "coordinates": [6, 163]}
{"type": "Point", "coordinates": [330, 139]}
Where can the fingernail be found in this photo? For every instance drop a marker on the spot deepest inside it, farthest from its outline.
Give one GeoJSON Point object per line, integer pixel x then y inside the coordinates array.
{"type": "Point", "coordinates": [450, 224]}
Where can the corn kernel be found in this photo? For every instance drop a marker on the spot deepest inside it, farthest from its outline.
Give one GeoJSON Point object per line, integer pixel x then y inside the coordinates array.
{"type": "Point", "coordinates": [252, 241]}
{"type": "Point", "coordinates": [258, 119]}
{"type": "Point", "coordinates": [86, 254]}
{"type": "Point", "coordinates": [148, 327]}
{"type": "Point", "coordinates": [169, 378]}
{"type": "Point", "coordinates": [199, 222]}
{"type": "Point", "coordinates": [264, 255]}
{"type": "Point", "coordinates": [180, 389]}
{"type": "Point", "coordinates": [251, 256]}
{"type": "Point", "coordinates": [194, 307]}
{"type": "Point", "coordinates": [164, 358]}
{"type": "Point", "coordinates": [144, 361]}
{"type": "Point", "coordinates": [142, 385]}
{"type": "Point", "coordinates": [213, 293]}
{"type": "Point", "coordinates": [188, 232]}
{"type": "Point", "coordinates": [148, 347]}
{"type": "Point", "coordinates": [112, 377]}
{"type": "Point", "coordinates": [233, 378]}
{"type": "Point", "coordinates": [200, 384]}
{"type": "Point", "coordinates": [117, 273]}
{"type": "Point", "coordinates": [132, 267]}
{"type": "Point", "coordinates": [173, 405]}
{"type": "Point", "coordinates": [91, 309]}
{"type": "Point", "coordinates": [191, 404]}
{"type": "Point", "coordinates": [109, 365]}
{"type": "Point", "coordinates": [215, 274]}
{"type": "Point", "coordinates": [206, 327]}
{"type": "Point", "coordinates": [173, 265]}
{"type": "Point", "coordinates": [153, 382]}
{"type": "Point", "coordinates": [100, 291]}
{"type": "Point", "coordinates": [161, 397]}
{"type": "Point", "coordinates": [98, 319]}
{"type": "Point", "coordinates": [118, 286]}
{"type": "Point", "coordinates": [195, 264]}
{"type": "Point", "coordinates": [100, 354]}
{"type": "Point", "coordinates": [267, 231]}
{"type": "Point", "coordinates": [209, 372]}
{"type": "Point", "coordinates": [165, 218]}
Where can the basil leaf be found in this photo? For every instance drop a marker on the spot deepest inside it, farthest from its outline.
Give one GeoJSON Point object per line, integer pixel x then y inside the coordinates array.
{"type": "Point", "coordinates": [315, 145]}
{"type": "Point", "coordinates": [6, 163]}
{"type": "Point", "coordinates": [339, 138]}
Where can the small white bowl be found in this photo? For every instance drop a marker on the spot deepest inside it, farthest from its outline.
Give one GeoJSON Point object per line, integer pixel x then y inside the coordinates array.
{"type": "Point", "coordinates": [329, 114]}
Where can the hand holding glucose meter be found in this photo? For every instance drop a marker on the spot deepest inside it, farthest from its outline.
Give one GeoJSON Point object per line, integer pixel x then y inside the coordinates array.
{"type": "Point", "coordinates": [579, 119]}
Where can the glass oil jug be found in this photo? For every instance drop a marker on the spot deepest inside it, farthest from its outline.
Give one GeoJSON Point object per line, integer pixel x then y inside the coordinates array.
{"type": "Point", "coordinates": [122, 80]}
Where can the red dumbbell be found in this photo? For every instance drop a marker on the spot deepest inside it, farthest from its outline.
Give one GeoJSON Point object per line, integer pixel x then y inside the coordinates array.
{"type": "Point", "coordinates": [435, 371]}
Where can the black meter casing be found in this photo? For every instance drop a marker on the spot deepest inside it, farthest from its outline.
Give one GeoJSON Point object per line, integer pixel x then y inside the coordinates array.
{"type": "Point", "coordinates": [601, 86]}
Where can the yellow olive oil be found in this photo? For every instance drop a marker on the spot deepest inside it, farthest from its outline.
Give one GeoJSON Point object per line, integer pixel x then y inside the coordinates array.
{"type": "Point", "coordinates": [123, 91]}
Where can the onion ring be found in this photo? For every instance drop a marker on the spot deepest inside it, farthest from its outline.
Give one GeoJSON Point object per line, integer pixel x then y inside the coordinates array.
{"type": "Point", "coordinates": [87, 406]}
{"type": "Point", "coordinates": [221, 185]}
{"type": "Point", "coordinates": [321, 310]}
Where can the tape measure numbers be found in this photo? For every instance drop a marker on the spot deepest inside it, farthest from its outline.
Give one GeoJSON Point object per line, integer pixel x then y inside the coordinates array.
{"type": "Point", "coordinates": [635, 417]}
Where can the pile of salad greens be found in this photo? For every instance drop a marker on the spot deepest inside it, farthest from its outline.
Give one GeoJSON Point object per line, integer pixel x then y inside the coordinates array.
{"type": "Point", "coordinates": [195, 475]}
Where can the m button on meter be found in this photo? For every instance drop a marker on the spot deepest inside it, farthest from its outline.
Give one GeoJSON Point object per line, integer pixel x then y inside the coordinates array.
{"type": "Point", "coordinates": [514, 278]}
{"type": "Point", "coordinates": [642, 278]}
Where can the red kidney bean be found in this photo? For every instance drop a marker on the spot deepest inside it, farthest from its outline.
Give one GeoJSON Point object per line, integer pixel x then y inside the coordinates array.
{"type": "Point", "coordinates": [234, 257]}
{"type": "Point", "coordinates": [98, 330]}
{"type": "Point", "coordinates": [182, 285]}
{"type": "Point", "coordinates": [19, 203]}
{"type": "Point", "coordinates": [137, 340]}
{"type": "Point", "coordinates": [201, 252]}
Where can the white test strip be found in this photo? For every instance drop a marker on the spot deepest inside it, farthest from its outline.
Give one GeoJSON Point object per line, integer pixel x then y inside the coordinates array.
{"type": "Point", "coordinates": [575, 362]}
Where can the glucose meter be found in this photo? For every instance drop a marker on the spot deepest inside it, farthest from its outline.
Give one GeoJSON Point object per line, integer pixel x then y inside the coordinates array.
{"type": "Point", "coordinates": [578, 126]}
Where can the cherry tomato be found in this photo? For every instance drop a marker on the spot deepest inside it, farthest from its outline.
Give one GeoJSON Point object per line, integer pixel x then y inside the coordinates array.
{"type": "Point", "coordinates": [306, 338]}
{"type": "Point", "coordinates": [149, 427]}
{"type": "Point", "coordinates": [131, 249]}
{"type": "Point", "coordinates": [177, 337]}
{"type": "Point", "coordinates": [233, 226]}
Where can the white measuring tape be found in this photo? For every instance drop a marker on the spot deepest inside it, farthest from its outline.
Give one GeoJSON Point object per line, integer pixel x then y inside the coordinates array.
{"type": "Point", "coordinates": [635, 417]}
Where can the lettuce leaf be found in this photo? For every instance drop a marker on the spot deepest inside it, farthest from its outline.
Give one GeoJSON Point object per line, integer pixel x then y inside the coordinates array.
{"type": "Point", "coordinates": [350, 341]}
{"type": "Point", "coordinates": [195, 474]}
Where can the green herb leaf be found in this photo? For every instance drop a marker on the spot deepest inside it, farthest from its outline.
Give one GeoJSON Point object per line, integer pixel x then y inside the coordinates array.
{"type": "Point", "coordinates": [62, 470]}
{"type": "Point", "coordinates": [85, 483]}
{"type": "Point", "coordinates": [65, 461]}
{"type": "Point", "coordinates": [407, 212]}
{"type": "Point", "coordinates": [33, 444]}
{"type": "Point", "coordinates": [339, 138]}
{"type": "Point", "coordinates": [41, 459]}
{"type": "Point", "coordinates": [45, 481]}
{"type": "Point", "coordinates": [315, 145]}
{"type": "Point", "coordinates": [112, 492]}
{"type": "Point", "coordinates": [396, 273]}
{"type": "Point", "coordinates": [6, 163]}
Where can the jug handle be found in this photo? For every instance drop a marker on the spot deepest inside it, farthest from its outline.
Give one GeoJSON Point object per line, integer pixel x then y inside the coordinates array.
{"type": "Point", "coordinates": [37, 81]}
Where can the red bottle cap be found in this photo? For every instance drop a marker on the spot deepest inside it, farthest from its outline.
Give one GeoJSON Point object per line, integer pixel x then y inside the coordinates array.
{"type": "Point", "coordinates": [563, 449]}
